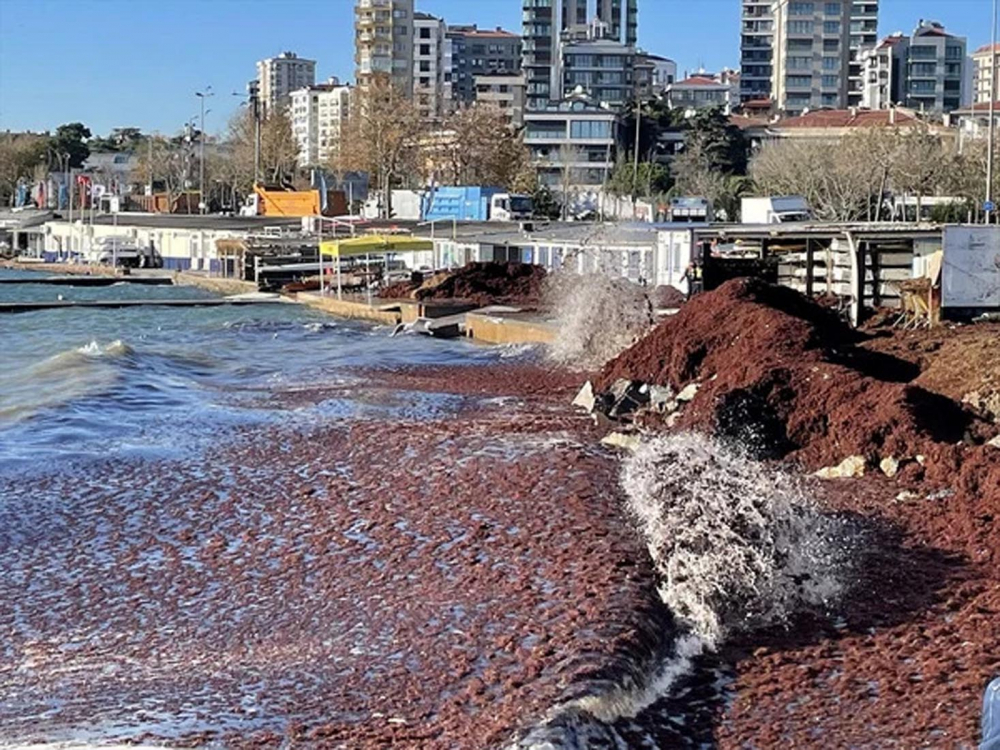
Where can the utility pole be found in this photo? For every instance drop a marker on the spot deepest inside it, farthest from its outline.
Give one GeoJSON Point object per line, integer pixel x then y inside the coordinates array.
{"type": "Point", "coordinates": [993, 96]}
{"type": "Point", "coordinates": [635, 156]}
{"type": "Point", "coordinates": [253, 90]}
{"type": "Point", "coordinates": [202, 203]}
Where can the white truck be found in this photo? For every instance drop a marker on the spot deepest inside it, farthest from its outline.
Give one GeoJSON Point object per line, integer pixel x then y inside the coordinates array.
{"type": "Point", "coordinates": [122, 251]}
{"type": "Point", "coordinates": [774, 210]}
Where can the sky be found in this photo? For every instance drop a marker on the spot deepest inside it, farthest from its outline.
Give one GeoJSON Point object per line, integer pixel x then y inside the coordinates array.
{"type": "Point", "coordinates": [138, 63]}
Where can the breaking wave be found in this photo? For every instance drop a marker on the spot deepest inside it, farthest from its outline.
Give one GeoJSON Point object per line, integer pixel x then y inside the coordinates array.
{"type": "Point", "coordinates": [59, 379]}
{"type": "Point", "coordinates": [738, 546]}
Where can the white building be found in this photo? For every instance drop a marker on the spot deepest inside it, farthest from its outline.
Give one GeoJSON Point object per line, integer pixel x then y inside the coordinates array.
{"type": "Point", "coordinates": [277, 77]}
{"type": "Point", "coordinates": [432, 67]}
{"type": "Point", "coordinates": [983, 60]}
{"type": "Point", "coordinates": [701, 91]}
{"type": "Point", "coordinates": [318, 115]}
{"type": "Point", "coordinates": [884, 67]}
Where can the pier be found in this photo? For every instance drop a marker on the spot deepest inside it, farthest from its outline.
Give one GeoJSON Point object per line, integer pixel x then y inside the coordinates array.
{"type": "Point", "coordinates": [21, 307]}
{"type": "Point", "coordinates": [93, 280]}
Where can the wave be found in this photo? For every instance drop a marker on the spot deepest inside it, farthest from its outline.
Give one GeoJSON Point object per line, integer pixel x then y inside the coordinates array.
{"type": "Point", "coordinates": [738, 546]}
{"type": "Point", "coordinates": [59, 379]}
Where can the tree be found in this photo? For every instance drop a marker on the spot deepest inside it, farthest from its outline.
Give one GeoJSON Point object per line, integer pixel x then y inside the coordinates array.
{"type": "Point", "coordinates": [483, 150]}
{"type": "Point", "coordinates": [71, 139]}
{"type": "Point", "coordinates": [165, 161]}
{"type": "Point", "coordinates": [20, 155]}
{"type": "Point", "coordinates": [119, 139]}
{"type": "Point", "coordinates": [650, 179]}
{"type": "Point", "coordinates": [380, 137]}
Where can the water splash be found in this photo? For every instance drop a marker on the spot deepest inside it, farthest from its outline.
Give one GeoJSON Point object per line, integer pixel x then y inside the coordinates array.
{"type": "Point", "coordinates": [597, 316]}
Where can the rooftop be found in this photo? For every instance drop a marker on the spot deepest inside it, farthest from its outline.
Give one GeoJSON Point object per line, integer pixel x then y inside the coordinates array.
{"type": "Point", "coordinates": [700, 81]}
{"type": "Point", "coordinates": [849, 118]}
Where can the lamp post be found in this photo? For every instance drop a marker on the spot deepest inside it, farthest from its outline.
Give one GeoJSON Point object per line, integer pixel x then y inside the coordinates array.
{"type": "Point", "coordinates": [993, 96]}
{"type": "Point", "coordinates": [202, 203]}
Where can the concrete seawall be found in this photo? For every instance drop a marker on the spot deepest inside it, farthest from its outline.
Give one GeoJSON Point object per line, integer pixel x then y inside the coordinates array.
{"type": "Point", "coordinates": [214, 284]}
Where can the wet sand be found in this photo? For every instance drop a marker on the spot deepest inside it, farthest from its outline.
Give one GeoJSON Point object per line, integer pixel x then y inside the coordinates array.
{"type": "Point", "coordinates": [362, 583]}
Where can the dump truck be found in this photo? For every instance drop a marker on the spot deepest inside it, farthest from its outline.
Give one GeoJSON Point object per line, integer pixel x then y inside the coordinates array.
{"type": "Point", "coordinates": [278, 201]}
{"type": "Point", "coordinates": [476, 203]}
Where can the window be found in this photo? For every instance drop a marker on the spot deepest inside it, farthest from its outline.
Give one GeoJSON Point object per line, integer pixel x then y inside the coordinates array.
{"type": "Point", "coordinates": [832, 9]}
{"type": "Point", "coordinates": [800, 45]}
{"type": "Point", "coordinates": [831, 63]}
{"type": "Point", "coordinates": [801, 9]}
{"type": "Point", "coordinates": [425, 33]}
{"type": "Point", "coordinates": [829, 100]}
{"type": "Point", "coordinates": [923, 69]}
{"type": "Point", "coordinates": [923, 52]}
{"type": "Point", "coordinates": [922, 87]}
{"type": "Point", "coordinates": [831, 82]}
{"type": "Point", "coordinates": [799, 63]}
{"type": "Point", "coordinates": [800, 27]}
{"type": "Point", "coordinates": [589, 129]}
{"type": "Point", "coordinates": [425, 49]}
{"type": "Point", "coordinates": [954, 52]}
{"type": "Point", "coordinates": [831, 45]}
{"type": "Point", "coordinates": [425, 66]}
{"type": "Point", "coordinates": [799, 82]}
{"type": "Point", "coordinates": [831, 27]}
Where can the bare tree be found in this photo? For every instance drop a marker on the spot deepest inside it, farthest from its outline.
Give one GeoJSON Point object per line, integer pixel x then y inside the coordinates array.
{"type": "Point", "coordinates": [381, 137]}
{"type": "Point", "coordinates": [164, 160]}
{"type": "Point", "coordinates": [20, 155]}
{"type": "Point", "coordinates": [483, 149]}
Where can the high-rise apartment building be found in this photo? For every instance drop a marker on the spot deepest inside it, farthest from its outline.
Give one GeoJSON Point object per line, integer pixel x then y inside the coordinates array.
{"type": "Point", "coordinates": [811, 55]}
{"type": "Point", "coordinates": [383, 42]}
{"type": "Point", "coordinates": [318, 114]}
{"type": "Point", "coordinates": [983, 60]}
{"type": "Point", "coordinates": [778, 35]}
{"type": "Point", "coordinates": [278, 76]}
{"type": "Point", "coordinates": [479, 52]}
{"type": "Point", "coordinates": [547, 23]}
{"type": "Point", "coordinates": [864, 36]}
{"type": "Point", "coordinates": [432, 67]}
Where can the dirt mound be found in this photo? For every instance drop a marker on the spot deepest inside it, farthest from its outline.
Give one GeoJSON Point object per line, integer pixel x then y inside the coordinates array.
{"type": "Point", "coordinates": [667, 296]}
{"type": "Point", "coordinates": [784, 376]}
{"type": "Point", "coordinates": [483, 283]}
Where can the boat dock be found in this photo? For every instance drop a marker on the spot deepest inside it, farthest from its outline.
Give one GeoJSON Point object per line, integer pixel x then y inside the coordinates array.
{"type": "Point", "coordinates": [93, 280]}
{"type": "Point", "coordinates": [20, 307]}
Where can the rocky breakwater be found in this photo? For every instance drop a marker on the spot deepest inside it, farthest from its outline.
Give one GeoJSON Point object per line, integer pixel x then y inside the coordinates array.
{"type": "Point", "coordinates": [862, 572]}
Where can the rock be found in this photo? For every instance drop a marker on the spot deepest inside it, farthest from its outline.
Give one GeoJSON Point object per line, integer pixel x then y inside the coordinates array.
{"type": "Point", "coordinates": [585, 398]}
{"type": "Point", "coordinates": [852, 466]}
{"type": "Point", "coordinates": [889, 466]}
{"type": "Point", "coordinates": [621, 440]}
{"type": "Point", "coordinates": [659, 395]}
{"type": "Point", "coordinates": [627, 396]}
{"type": "Point", "coordinates": [995, 442]}
{"type": "Point", "coordinates": [688, 392]}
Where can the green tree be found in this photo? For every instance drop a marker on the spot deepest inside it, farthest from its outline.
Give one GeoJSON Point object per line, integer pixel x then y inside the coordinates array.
{"type": "Point", "coordinates": [72, 139]}
{"type": "Point", "coordinates": [546, 205]}
{"type": "Point", "coordinates": [20, 155]}
{"type": "Point", "coordinates": [650, 179]}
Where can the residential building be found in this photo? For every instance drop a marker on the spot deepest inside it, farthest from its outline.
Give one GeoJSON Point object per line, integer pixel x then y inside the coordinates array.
{"type": "Point", "coordinates": [885, 72]}
{"type": "Point", "coordinates": [278, 76]}
{"type": "Point", "coordinates": [653, 74]}
{"type": "Point", "coordinates": [935, 69]}
{"type": "Point", "coordinates": [701, 91]}
{"type": "Point", "coordinates": [925, 71]}
{"type": "Point", "coordinates": [831, 125]}
{"type": "Point", "coordinates": [432, 67]}
{"type": "Point", "coordinates": [478, 52]}
{"type": "Point", "coordinates": [864, 36]}
{"type": "Point", "coordinates": [505, 91]}
{"type": "Point", "coordinates": [974, 121]}
{"type": "Point", "coordinates": [548, 22]}
{"type": "Point", "coordinates": [572, 142]}
{"type": "Point", "coordinates": [811, 55]}
{"type": "Point", "coordinates": [778, 35]}
{"type": "Point", "coordinates": [756, 50]}
{"type": "Point", "coordinates": [318, 115]}
{"type": "Point", "coordinates": [983, 60]}
{"type": "Point", "coordinates": [383, 42]}
{"type": "Point", "coordinates": [604, 69]}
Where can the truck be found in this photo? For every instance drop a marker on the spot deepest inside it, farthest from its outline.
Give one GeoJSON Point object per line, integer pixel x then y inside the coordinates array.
{"type": "Point", "coordinates": [775, 209]}
{"type": "Point", "coordinates": [277, 201]}
{"type": "Point", "coordinates": [476, 203]}
{"type": "Point", "coordinates": [123, 251]}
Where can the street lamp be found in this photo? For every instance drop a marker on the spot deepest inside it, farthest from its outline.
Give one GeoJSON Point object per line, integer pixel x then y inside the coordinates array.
{"type": "Point", "coordinates": [202, 95]}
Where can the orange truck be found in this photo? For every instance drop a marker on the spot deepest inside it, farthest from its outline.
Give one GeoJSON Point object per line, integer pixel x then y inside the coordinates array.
{"type": "Point", "coordinates": [276, 201]}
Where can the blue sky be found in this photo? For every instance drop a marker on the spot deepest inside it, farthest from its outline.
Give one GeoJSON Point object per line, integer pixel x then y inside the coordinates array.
{"type": "Point", "coordinates": [138, 63]}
